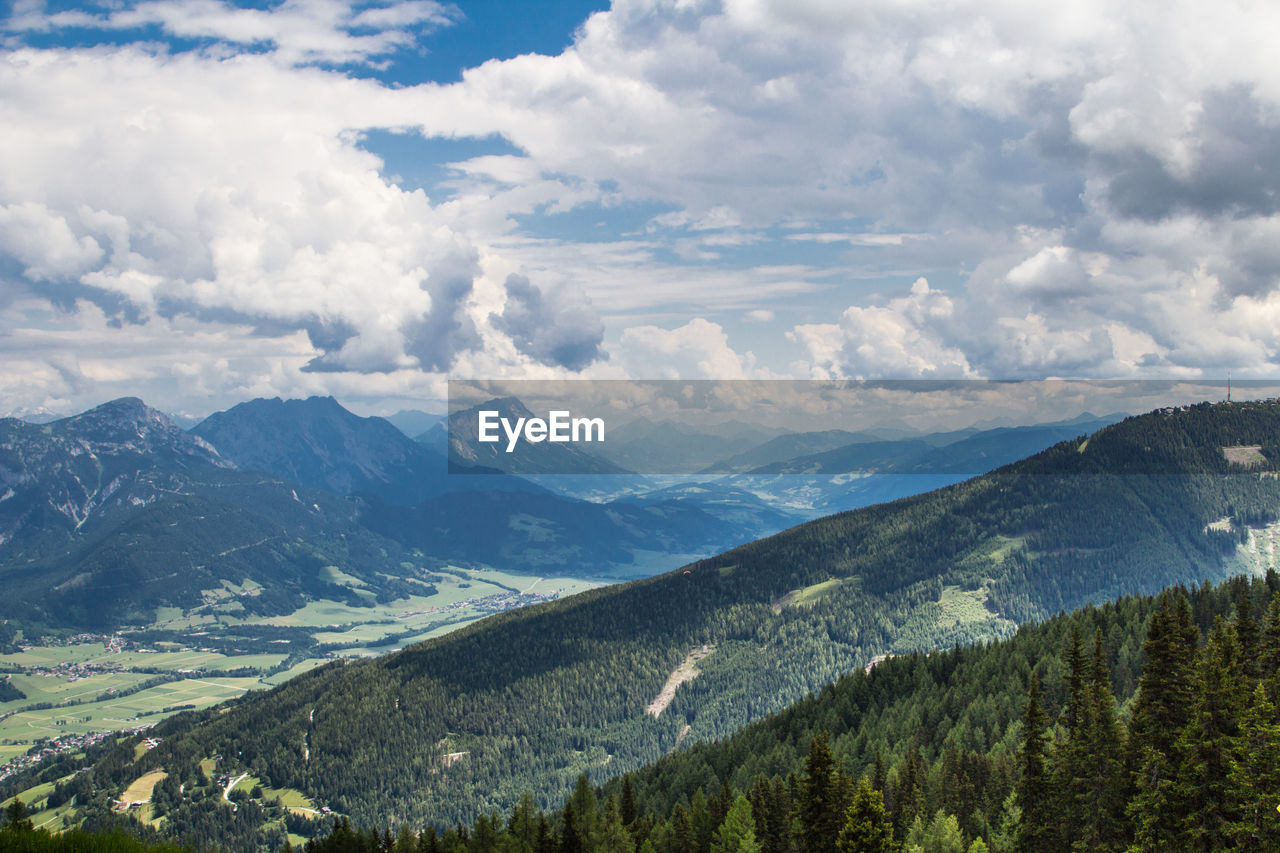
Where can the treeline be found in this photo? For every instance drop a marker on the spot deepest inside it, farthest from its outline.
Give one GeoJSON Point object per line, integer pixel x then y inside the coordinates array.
{"type": "Point", "coordinates": [1019, 746]}
{"type": "Point", "coordinates": [19, 835]}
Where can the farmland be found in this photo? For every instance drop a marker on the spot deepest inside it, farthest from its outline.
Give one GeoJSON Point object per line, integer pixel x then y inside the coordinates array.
{"type": "Point", "coordinates": [183, 660]}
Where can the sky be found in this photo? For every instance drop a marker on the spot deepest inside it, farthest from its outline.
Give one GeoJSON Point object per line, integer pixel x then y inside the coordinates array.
{"type": "Point", "coordinates": [203, 202]}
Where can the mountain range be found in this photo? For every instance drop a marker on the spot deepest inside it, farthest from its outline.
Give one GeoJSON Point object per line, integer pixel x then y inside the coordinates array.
{"type": "Point", "coordinates": [529, 699]}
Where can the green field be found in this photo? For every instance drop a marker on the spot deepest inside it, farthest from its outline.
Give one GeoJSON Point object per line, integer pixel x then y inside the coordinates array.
{"type": "Point", "coordinates": [462, 596]}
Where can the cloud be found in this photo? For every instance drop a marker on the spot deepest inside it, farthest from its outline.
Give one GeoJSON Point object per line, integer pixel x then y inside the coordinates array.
{"type": "Point", "coordinates": [294, 31]}
{"type": "Point", "coordinates": [257, 208]}
{"type": "Point", "coordinates": [1079, 165]}
{"type": "Point", "coordinates": [698, 349]}
{"type": "Point", "coordinates": [907, 338]}
{"type": "Point", "coordinates": [1082, 188]}
{"type": "Point", "coordinates": [560, 330]}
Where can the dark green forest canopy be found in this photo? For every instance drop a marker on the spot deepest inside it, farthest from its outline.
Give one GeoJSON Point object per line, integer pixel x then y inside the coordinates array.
{"type": "Point", "coordinates": [531, 699]}
{"type": "Point", "coordinates": [1145, 724]}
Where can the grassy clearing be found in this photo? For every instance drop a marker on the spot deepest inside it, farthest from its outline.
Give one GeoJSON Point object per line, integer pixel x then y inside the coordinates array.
{"type": "Point", "coordinates": [290, 798]}
{"type": "Point", "coordinates": [32, 797]}
{"type": "Point", "coordinates": [962, 612]}
{"type": "Point", "coordinates": [333, 574]}
{"type": "Point", "coordinates": [808, 595]}
{"type": "Point", "coordinates": [297, 669]}
{"type": "Point", "coordinates": [1247, 456]}
{"type": "Point", "coordinates": [139, 791]}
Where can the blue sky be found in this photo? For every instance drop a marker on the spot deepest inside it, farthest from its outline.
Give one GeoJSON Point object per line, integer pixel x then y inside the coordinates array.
{"type": "Point", "coordinates": [203, 201]}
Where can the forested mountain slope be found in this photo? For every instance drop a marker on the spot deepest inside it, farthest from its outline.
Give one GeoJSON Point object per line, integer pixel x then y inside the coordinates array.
{"type": "Point", "coordinates": [530, 699]}
{"type": "Point", "coordinates": [1145, 724]}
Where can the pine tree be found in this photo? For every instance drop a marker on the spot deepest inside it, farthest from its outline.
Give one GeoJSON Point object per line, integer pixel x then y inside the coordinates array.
{"type": "Point", "coordinates": [1165, 688]}
{"type": "Point", "coordinates": [1207, 743]}
{"type": "Point", "coordinates": [1103, 787]}
{"type": "Point", "coordinates": [1037, 831]}
{"type": "Point", "coordinates": [820, 810]}
{"type": "Point", "coordinates": [1253, 779]}
{"type": "Point", "coordinates": [941, 835]}
{"type": "Point", "coordinates": [17, 818]}
{"type": "Point", "coordinates": [587, 810]}
{"type": "Point", "coordinates": [867, 828]}
{"type": "Point", "coordinates": [629, 812]}
{"type": "Point", "coordinates": [1270, 650]}
{"type": "Point", "coordinates": [771, 806]}
{"type": "Point", "coordinates": [613, 835]}
{"type": "Point", "coordinates": [571, 840]}
{"type": "Point", "coordinates": [738, 833]}
{"type": "Point", "coordinates": [524, 819]}
{"type": "Point", "coordinates": [1247, 635]}
{"type": "Point", "coordinates": [1071, 758]}
{"type": "Point", "coordinates": [1166, 691]}
{"type": "Point", "coordinates": [682, 835]}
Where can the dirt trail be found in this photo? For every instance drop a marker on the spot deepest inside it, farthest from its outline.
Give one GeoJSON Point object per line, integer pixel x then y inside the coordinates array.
{"type": "Point", "coordinates": [686, 671]}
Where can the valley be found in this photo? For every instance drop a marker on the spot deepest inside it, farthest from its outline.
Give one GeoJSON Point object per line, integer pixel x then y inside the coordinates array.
{"type": "Point", "coordinates": [86, 684]}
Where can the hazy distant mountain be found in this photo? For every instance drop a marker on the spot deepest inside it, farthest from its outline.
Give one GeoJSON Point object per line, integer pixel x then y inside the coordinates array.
{"type": "Point", "coordinates": [545, 457]}
{"type": "Point", "coordinates": [785, 447]}
{"type": "Point", "coordinates": [542, 533]}
{"type": "Point", "coordinates": [319, 444]}
{"type": "Point", "coordinates": [964, 453]}
{"type": "Point", "coordinates": [412, 422]}
{"type": "Point", "coordinates": [108, 514]}
{"type": "Point", "coordinates": [672, 448]}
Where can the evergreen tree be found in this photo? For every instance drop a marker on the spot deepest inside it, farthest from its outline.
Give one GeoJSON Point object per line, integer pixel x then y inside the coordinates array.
{"type": "Point", "coordinates": [820, 809]}
{"type": "Point", "coordinates": [771, 807]}
{"type": "Point", "coordinates": [571, 840]}
{"type": "Point", "coordinates": [1102, 788]}
{"type": "Point", "coordinates": [941, 835]}
{"type": "Point", "coordinates": [1247, 634]}
{"type": "Point", "coordinates": [867, 828]}
{"type": "Point", "coordinates": [1207, 743]}
{"type": "Point", "coordinates": [1071, 757]}
{"type": "Point", "coordinates": [613, 835]}
{"type": "Point", "coordinates": [1165, 689]}
{"type": "Point", "coordinates": [628, 804]}
{"type": "Point", "coordinates": [1038, 831]}
{"type": "Point", "coordinates": [587, 810]}
{"type": "Point", "coordinates": [1161, 710]}
{"type": "Point", "coordinates": [737, 834]}
{"type": "Point", "coordinates": [17, 818]}
{"type": "Point", "coordinates": [1254, 777]}
{"type": "Point", "coordinates": [1270, 651]}
{"type": "Point", "coordinates": [683, 839]}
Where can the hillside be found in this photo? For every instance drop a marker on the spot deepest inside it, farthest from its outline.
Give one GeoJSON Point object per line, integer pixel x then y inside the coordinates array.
{"type": "Point", "coordinates": [529, 699]}
{"type": "Point", "coordinates": [1144, 724]}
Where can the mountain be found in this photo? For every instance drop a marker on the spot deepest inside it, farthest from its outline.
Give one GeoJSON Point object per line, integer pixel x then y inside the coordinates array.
{"type": "Point", "coordinates": [413, 422]}
{"type": "Point", "coordinates": [784, 447]}
{"type": "Point", "coordinates": [671, 448]}
{"type": "Point", "coordinates": [965, 453]}
{"type": "Point", "coordinates": [112, 513]}
{"type": "Point", "coordinates": [319, 444]}
{"type": "Point", "coordinates": [526, 457]}
{"type": "Point", "coordinates": [529, 699]}
{"type": "Point", "coordinates": [542, 533]}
